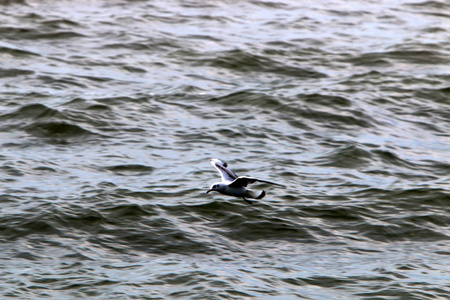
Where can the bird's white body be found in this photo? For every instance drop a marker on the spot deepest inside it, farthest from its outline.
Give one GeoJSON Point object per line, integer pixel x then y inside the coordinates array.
{"type": "Point", "coordinates": [232, 185]}
{"type": "Point", "coordinates": [225, 189]}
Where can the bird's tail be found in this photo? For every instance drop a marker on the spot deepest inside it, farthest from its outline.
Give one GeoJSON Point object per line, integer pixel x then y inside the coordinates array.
{"type": "Point", "coordinates": [254, 195]}
{"type": "Point", "coordinates": [263, 193]}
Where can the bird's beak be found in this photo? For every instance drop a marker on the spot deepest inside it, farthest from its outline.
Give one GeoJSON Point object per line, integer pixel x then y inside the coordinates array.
{"type": "Point", "coordinates": [208, 191]}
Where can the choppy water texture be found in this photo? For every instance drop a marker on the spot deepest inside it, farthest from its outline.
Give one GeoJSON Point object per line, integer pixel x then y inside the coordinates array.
{"type": "Point", "coordinates": [111, 110]}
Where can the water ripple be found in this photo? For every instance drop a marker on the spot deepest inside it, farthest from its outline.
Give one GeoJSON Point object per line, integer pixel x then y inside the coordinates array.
{"type": "Point", "coordinates": [110, 113]}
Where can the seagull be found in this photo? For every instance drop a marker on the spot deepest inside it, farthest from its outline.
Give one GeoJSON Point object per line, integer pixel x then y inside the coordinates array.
{"type": "Point", "coordinates": [232, 185]}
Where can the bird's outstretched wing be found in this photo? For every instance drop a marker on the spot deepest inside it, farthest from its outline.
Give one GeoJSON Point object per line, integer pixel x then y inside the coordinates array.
{"type": "Point", "coordinates": [221, 166]}
{"type": "Point", "coordinates": [243, 181]}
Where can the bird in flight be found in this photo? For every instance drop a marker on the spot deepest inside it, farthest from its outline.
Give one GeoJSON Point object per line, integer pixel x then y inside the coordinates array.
{"type": "Point", "coordinates": [232, 185]}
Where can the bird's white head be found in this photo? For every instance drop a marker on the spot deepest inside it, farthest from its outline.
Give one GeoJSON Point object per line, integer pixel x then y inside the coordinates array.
{"type": "Point", "coordinates": [218, 187]}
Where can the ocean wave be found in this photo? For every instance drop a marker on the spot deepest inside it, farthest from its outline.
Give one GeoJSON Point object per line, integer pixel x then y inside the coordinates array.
{"type": "Point", "coordinates": [238, 60]}
{"type": "Point", "coordinates": [110, 113]}
{"type": "Point", "coordinates": [60, 132]}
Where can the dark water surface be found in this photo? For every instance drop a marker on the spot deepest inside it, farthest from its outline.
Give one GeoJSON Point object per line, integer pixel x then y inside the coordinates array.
{"type": "Point", "coordinates": [111, 110]}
